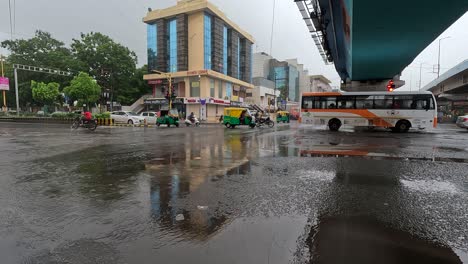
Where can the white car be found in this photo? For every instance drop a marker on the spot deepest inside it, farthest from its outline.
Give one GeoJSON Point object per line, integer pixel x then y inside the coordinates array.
{"type": "Point", "coordinates": [150, 117]}
{"type": "Point", "coordinates": [127, 117]}
{"type": "Point", "coordinates": [462, 121]}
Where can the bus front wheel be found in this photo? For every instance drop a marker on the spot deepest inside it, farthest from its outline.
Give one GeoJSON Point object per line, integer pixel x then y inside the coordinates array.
{"type": "Point", "coordinates": [334, 124]}
{"type": "Point", "coordinates": [402, 126]}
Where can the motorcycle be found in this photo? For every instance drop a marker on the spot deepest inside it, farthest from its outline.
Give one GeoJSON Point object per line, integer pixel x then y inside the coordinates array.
{"type": "Point", "coordinates": [261, 121]}
{"type": "Point", "coordinates": [91, 125]}
{"type": "Point", "coordinates": [194, 122]}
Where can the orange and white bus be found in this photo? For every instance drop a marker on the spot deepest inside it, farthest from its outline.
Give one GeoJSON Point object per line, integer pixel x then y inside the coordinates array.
{"type": "Point", "coordinates": [398, 111]}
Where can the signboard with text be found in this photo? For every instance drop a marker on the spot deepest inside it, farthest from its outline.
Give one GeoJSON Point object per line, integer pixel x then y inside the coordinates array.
{"type": "Point", "coordinates": [4, 84]}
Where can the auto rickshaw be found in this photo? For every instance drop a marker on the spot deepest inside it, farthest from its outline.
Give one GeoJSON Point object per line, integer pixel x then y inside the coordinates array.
{"type": "Point", "coordinates": [234, 116]}
{"type": "Point", "coordinates": [168, 117]}
{"type": "Point", "coordinates": [282, 116]}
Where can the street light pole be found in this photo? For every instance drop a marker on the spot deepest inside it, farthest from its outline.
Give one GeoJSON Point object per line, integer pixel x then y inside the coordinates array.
{"type": "Point", "coordinates": [438, 58]}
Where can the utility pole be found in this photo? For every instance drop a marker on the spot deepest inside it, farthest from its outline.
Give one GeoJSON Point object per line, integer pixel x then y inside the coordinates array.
{"type": "Point", "coordinates": [438, 58]}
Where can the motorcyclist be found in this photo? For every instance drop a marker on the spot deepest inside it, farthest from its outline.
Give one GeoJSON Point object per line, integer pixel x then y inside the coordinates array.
{"type": "Point", "coordinates": [87, 116]}
{"type": "Point", "coordinates": [191, 117]}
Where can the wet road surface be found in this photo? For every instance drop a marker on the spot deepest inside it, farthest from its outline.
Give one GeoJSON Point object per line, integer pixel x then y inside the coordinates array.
{"type": "Point", "coordinates": [291, 194]}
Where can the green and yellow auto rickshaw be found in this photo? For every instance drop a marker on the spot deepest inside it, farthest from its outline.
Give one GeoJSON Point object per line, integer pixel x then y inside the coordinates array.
{"type": "Point", "coordinates": [282, 116]}
{"type": "Point", "coordinates": [236, 116]}
{"type": "Point", "coordinates": [168, 117]}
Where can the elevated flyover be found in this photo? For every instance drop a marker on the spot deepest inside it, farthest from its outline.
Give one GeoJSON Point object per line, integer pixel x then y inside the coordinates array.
{"type": "Point", "coordinates": [371, 41]}
{"type": "Point", "coordinates": [451, 88]}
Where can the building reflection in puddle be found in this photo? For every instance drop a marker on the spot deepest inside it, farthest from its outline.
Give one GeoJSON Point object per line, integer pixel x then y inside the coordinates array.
{"type": "Point", "coordinates": [177, 175]}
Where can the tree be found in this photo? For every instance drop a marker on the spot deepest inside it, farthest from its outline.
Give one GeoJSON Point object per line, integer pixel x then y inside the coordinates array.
{"type": "Point", "coordinates": [42, 50]}
{"type": "Point", "coordinates": [110, 63]}
{"type": "Point", "coordinates": [84, 89]}
{"type": "Point", "coordinates": [45, 94]}
{"type": "Point", "coordinates": [138, 87]}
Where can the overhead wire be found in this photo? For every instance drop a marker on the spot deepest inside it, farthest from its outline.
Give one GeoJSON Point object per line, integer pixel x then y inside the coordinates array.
{"type": "Point", "coordinates": [11, 24]}
{"type": "Point", "coordinates": [272, 28]}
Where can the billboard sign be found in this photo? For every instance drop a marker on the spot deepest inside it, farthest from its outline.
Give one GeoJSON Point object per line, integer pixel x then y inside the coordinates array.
{"type": "Point", "coordinates": [4, 84]}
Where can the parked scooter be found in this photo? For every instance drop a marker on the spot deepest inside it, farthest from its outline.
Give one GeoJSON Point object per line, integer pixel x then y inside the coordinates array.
{"type": "Point", "coordinates": [193, 122]}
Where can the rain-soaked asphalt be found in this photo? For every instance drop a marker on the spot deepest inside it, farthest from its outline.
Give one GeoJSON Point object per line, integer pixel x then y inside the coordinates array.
{"type": "Point", "coordinates": [291, 194]}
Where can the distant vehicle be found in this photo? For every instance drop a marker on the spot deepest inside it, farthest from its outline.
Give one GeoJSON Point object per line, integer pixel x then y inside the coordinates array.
{"type": "Point", "coordinates": [150, 117]}
{"type": "Point", "coordinates": [462, 121]}
{"type": "Point", "coordinates": [398, 111]}
{"type": "Point", "coordinates": [40, 113]}
{"type": "Point", "coordinates": [127, 117]}
{"type": "Point", "coordinates": [236, 116]}
{"type": "Point", "coordinates": [168, 117]}
{"type": "Point", "coordinates": [58, 113]}
{"type": "Point", "coordinates": [194, 122]}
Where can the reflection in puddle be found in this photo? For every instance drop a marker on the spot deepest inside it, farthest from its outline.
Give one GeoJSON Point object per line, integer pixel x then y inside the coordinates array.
{"type": "Point", "coordinates": [430, 186]}
{"type": "Point", "coordinates": [177, 201]}
{"type": "Point", "coordinates": [365, 240]}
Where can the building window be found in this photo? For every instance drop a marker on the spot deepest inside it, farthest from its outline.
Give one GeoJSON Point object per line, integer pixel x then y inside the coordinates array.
{"type": "Point", "coordinates": [172, 45]}
{"type": "Point", "coordinates": [220, 89]}
{"type": "Point", "coordinates": [251, 63]}
{"type": "Point", "coordinates": [207, 41]}
{"type": "Point", "coordinates": [212, 88]}
{"type": "Point", "coordinates": [195, 88]}
{"type": "Point", "coordinates": [238, 58]}
{"type": "Point", "coordinates": [228, 90]}
{"type": "Point", "coordinates": [152, 45]}
{"type": "Point", "coordinates": [225, 50]}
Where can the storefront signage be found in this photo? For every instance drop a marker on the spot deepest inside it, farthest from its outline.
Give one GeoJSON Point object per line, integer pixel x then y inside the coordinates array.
{"type": "Point", "coordinates": [192, 100]}
{"type": "Point", "coordinates": [219, 101]}
{"type": "Point", "coordinates": [202, 72]}
{"type": "Point", "coordinates": [155, 81]}
{"type": "Point", "coordinates": [162, 101]}
{"type": "Point", "coordinates": [236, 103]}
{"type": "Point", "coordinates": [4, 84]}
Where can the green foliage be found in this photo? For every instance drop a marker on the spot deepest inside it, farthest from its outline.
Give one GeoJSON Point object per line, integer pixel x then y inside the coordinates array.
{"type": "Point", "coordinates": [64, 115]}
{"type": "Point", "coordinates": [112, 64]}
{"type": "Point", "coordinates": [83, 88]}
{"type": "Point", "coordinates": [138, 87]}
{"type": "Point", "coordinates": [103, 115]}
{"type": "Point", "coordinates": [42, 51]}
{"type": "Point", "coordinates": [45, 94]}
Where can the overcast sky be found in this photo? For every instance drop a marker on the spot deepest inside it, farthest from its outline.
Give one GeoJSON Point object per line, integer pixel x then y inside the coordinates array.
{"type": "Point", "coordinates": [121, 20]}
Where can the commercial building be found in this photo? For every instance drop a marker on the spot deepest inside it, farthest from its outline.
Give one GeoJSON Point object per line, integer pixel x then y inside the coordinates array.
{"type": "Point", "coordinates": [289, 78]}
{"type": "Point", "coordinates": [264, 92]}
{"type": "Point", "coordinates": [208, 57]}
{"type": "Point", "coordinates": [318, 84]}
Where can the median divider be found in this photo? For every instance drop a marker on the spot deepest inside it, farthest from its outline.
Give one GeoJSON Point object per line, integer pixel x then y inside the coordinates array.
{"type": "Point", "coordinates": [105, 121]}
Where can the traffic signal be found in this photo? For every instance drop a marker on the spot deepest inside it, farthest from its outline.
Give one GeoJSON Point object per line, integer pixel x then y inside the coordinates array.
{"type": "Point", "coordinates": [173, 92]}
{"type": "Point", "coordinates": [390, 86]}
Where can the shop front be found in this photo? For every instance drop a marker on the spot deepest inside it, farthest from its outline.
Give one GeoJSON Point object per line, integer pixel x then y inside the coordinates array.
{"type": "Point", "coordinates": [208, 109]}
{"type": "Point", "coordinates": [158, 104]}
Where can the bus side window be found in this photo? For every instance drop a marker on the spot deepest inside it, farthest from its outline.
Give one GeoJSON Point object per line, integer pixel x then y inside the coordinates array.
{"type": "Point", "coordinates": [330, 102]}
{"type": "Point", "coordinates": [364, 102]}
{"type": "Point", "coordinates": [403, 102]}
{"type": "Point", "coordinates": [383, 102]}
{"type": "Point", "coordinates": [307, 102]}
{"type": "Point", "coordinates": [346, 102]}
